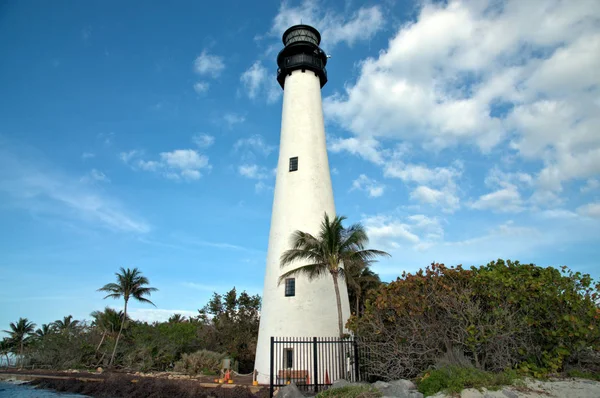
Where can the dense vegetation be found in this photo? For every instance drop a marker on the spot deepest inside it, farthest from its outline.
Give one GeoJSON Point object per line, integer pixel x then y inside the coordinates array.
{"type": "Point", "coordinates": [504, 315]}
{"type": "Point", "coordinates": [228, 325]}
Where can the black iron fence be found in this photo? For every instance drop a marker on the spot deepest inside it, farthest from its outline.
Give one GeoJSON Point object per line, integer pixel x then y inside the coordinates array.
{"type": "Point", "coordinates": [314, 363]}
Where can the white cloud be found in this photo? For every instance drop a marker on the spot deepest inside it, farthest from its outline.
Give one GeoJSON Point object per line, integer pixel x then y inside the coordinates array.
{"type": "Point", "coordinates": [151, 315]}
{"type": "Point", "coordinates": [46, 192]}
{"type": "Point", "coordinates": [391, 233]}
{"type": "Point", "coordinates": [255, 144]}
{"type": "Point", "coordinates": [203, 140]}
{"type": "Point", "coordinates": [591, 185]}
{"type": "Point", "coordinates": [201, 87]}
{"type": "Point", "coordinates": [253, 171]}
{"type": "Point", "coordinates": [367, 148]}
{"type": "Point", "coordinates": [446, 199]}
{"type": "Point", "coordinates": [479, 73]}
{"type": "Point", "coordinates": [260, 186]}
{"type": "Point", "coordinates": [208, 65]}
{"type": "Point", "coordinates": [372, 187]}
{"type": "Point", "coordinates": [590, 210]}
{"type": "Point", "coordinates": [507, 199]}
{"type": "Point", "coordinates": [87, 155]}
{"type": "Point", "coordinates": [180, 164]}
{"type": "Point", "coordinates": [95, 175]}
{"type": "Point", "coordinates": [333, 25]}
{"type": "Point", "coordinates": [231, 119]}
{"type": "Point", "coordinates": [257, 81]}
{"type": "Point", "coordinates": [126, 157]}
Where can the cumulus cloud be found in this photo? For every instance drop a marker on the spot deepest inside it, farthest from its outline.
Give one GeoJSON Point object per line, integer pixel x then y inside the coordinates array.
{"type": "Point", "coordinates": [201, 87]}
{"type": "Point", "coordinates": [95, 176]}
{"type": "Point", "coordinates": [203, 140]}
{"type": "Point", "coordinates": [590, 210]}
{"type": "Point", "coordinates": [254, 144]}
{"type": "Point", "coordinates": [335, 27]}
{"type": "Point", "coordinates": [231, 119]}
{"type": "Point", "coordinates": [253, 171]}
{"type": "Point", "coordinates": [480, 73]}
{"type": "Point", "coordinates": [368, 185]}
{"type": "Point", "coordinates": [180, 164]}
{"type": "Point", "coordinates": [389, 232]}
{"type": "Point", "coordinates": [206, 64]}
{"type": "Point", "coordinates": [257, 81]}
{"type": "Point", "coordinates": [507, 199]}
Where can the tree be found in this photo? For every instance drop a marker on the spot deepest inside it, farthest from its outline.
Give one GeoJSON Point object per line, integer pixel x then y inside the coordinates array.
{"type": "Point", "coordinates": [67, 325]}
{"type": "Point", "coordinates": [6, 346]}
{"type": "Point", "coordinates": [44, 331]}
{"type": "Point", "coordinates": [108, 321]}
{"type": "Point", "coordinates": [130, 284]}
{"type": "Point", "coordinates": [327, 253]}
{"type": "Point", "coordinates": [360, 279]}
{"type": "Point", "coordinates": [233, 321]}
{"type": "Point", "coordinates": [19, 333]}
{"type": "Point", "coordinates": [177, 318]}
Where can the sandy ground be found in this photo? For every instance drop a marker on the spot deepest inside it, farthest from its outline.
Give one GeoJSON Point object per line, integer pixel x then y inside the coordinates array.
{"type": "Point", "coordinates": [569, 388]}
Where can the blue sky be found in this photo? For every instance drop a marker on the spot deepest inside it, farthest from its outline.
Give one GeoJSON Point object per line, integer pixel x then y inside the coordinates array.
{"type": "Point", "coordinates": [145, 134]}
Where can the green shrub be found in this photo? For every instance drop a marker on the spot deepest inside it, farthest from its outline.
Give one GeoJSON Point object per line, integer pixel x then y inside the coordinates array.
{"type": "Point", "coordinates": [453, 379]}
{"type": "Point", "coordinates": [583, 375]}
{"type": "Point", "coordinates": [364, 391]}
{"type": "Point", "coordinates": [204, 361]}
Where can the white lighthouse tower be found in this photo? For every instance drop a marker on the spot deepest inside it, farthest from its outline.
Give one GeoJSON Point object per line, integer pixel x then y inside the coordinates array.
{"type": "Point", "coordinates": [303, 194]}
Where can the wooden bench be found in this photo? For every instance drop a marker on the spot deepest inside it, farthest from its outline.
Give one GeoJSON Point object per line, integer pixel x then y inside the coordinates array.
{"type": "Point", "coordinates": [296, 376]}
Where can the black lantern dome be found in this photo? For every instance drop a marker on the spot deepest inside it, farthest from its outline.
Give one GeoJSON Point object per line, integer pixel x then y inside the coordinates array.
{"type": "Point", "coordinates": [301, 51]}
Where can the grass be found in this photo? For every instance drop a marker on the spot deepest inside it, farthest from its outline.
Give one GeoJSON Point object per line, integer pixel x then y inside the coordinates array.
{"type": "Point", "coordinates": [351, 392]}
{"type": "Point", "coordinates": [583, 374]}
{"type": "Point", "coordinates": [453, 379]}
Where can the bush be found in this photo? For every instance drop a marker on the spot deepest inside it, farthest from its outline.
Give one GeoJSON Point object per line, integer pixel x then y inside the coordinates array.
{"type": "Point", "coordinates": [499, 316]}
{"type": "Point", "coordinates": [454, 379]}
{"type": "Point", "coordinates": [351, 392]}
{"type": "Point", "coordinates": [200, 362]}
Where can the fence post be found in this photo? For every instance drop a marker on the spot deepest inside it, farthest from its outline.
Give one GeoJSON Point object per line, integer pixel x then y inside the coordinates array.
{"type": "Point", "coordinates": [272, 367]}
{"type": "Point", "coordinates": [316, 365]}
{"type": "Point", "coordinates": [356, 361]}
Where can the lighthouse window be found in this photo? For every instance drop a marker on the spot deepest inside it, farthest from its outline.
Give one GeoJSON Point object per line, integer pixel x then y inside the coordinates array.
{"type": "Point", "coordinates": [294, 163]}
{"type": "Point", "coordinates": [290, 287]}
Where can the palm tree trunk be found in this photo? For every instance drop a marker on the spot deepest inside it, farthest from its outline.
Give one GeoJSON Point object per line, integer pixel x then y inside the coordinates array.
{"type": "Point", "coordinates": [357, 304]}
{"type": "Point", "coordinates": [21, 355]}
{"type": "Point", "coordinates": [112, 358]}
{"type": "Point", "coordinates": [101, 341]}
{"type": "Point", "coordinates": [339, 304]}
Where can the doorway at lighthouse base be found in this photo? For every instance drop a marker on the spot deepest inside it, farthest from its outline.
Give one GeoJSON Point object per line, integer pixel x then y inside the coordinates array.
{"type": "Point", "coordinates": [314, 363]}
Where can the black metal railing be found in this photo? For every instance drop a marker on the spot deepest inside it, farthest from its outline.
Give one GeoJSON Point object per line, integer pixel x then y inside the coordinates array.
{"type": "Point", "coordinates": [314, 363]}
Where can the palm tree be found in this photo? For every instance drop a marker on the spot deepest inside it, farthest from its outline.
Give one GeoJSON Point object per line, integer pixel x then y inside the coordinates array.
{"type": "Point", "coordinates": [6, 346]}
{"type": "Point", "coordinates": [177, 318]}
{"type": "Point", "coordinates": [19, 334]}
{"type": "Point", "coordinates": [130, 283]}
{"type": "Point", "coordinates": [327, 253]}
{"type": "Point", "coordinates": [360, 279]}
{"type": "Point", "coordinates": [44, 331]}
{"type": "Point", "coordinates": [108, 321]}
{"type": "Point", "coordinates": [67, 325]}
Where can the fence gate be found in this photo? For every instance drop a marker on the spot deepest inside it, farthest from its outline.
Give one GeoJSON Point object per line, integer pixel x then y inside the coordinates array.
{"type": "Point", "coordinates": [313, 363]}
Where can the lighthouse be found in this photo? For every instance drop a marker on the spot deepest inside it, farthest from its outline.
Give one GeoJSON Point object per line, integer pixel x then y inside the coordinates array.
{"type": "Point", "coordinates": [298, 307]}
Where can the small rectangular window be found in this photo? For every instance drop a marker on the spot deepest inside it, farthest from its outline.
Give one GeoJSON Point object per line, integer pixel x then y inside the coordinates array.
{"type": "Point", "coordinates": [294, 163]}
{"type": "Point", "coordinates": [290, 287]}
{"type": "Point", "coordinates": [289, 357]}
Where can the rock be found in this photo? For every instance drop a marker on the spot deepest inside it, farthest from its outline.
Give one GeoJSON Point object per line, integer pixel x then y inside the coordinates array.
{"type": "Point", "coordinates": [471, 393]}
{"type": "Point", "coordinates": [340, 383]}
{"type": "Point", "coordinates": [510, 394]}
{"type": "Point", "coordinates": [289, 391]}
{"type": "Point", "coordinates": [99, 370]}
{"type": "Point", "coordinates": [407, 384]}
{"type": "Point", "coordinates": [395, 390]}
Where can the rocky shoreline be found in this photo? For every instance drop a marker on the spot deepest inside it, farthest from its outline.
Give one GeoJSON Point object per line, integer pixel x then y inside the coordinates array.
{"type": "Point", "coordinates": [117, 385]}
